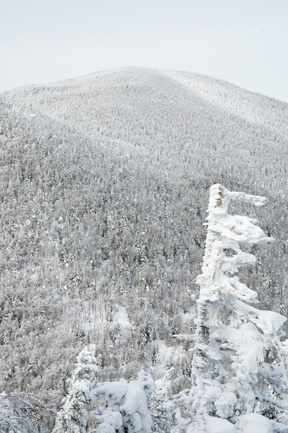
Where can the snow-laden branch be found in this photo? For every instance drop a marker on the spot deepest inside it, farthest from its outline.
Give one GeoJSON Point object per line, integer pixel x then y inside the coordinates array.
{"type": "Point", "coordinates": [125, 405]}
{"type": "Point", "coordinates": [120, 405]}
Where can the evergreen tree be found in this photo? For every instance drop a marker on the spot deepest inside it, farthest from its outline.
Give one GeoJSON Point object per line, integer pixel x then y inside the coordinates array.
{"type": "Point", "coordinates": [73, 418]}
{"type": "Point", "coordinates": [238, 362]}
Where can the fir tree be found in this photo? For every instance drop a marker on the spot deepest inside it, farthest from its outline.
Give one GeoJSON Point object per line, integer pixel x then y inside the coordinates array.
{"type": "Point", "coordinates": [238, 362]}
{"type": "Point", "coordinates": [73, 418]}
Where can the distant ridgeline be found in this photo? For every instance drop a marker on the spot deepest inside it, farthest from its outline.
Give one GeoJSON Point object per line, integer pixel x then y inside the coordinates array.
{"type": "Point", "coordinates": [104, 186]}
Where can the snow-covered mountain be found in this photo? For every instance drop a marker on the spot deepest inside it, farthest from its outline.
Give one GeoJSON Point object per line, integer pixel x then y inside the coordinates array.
{"type": "Point", "coordinates": [104, 188]}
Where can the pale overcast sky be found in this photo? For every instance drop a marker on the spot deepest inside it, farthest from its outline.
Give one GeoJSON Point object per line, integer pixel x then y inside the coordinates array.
{"type": "Point", "coordinates": [240, 41]}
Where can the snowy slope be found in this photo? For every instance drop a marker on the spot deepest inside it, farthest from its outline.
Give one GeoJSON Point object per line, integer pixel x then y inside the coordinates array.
{"type": "Point", "coordinates": [104, 187]}
{"type": "Point", "coordinates": [186, 115]}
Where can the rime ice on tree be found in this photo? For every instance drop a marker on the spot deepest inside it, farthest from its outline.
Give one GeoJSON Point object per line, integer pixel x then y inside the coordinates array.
{"type": "Point", "coordinates": [238, 361]}
{"type": "Point", "coordinates": [73, 418]}
{"type": "Point", "coordinates": [125, 408]}
{"type": "Point", "coordinates": [123, 405]}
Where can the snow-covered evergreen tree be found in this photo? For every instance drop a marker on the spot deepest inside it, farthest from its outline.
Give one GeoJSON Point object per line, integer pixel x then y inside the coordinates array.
{"type": "Point", "coordinates": [120, 406]}
{"type": "Point", "coordinates": [239, 364]}
{"type": "Point", "coordinates": [73, 418]}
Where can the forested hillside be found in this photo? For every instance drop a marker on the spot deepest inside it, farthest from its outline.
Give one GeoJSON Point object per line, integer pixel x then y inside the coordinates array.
{"type": "Point", "coordinates": [104, 190]}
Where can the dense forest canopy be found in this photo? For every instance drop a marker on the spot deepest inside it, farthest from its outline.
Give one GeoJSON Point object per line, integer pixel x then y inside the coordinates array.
{"type": "Point", "coordinates": [104, 188]}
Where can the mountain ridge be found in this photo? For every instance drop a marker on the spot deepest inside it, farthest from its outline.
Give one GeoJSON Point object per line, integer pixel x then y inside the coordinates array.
{"type": "Point", "coordinates": [181, 77]}
{"type": "Point", "coordinates": [104, 189]}
{"type": "Point", "coordinates": [158, 103]}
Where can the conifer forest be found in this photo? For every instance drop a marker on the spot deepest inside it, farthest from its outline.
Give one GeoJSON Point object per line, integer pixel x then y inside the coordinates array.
{"type": "Point", "coordinates": [144, 256]}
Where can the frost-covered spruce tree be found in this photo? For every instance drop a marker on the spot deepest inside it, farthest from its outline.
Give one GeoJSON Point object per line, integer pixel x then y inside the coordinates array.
{"type": "Point", "coordinates": [73, 418]}
{"type": "Point", "coordinates": [238, 362]}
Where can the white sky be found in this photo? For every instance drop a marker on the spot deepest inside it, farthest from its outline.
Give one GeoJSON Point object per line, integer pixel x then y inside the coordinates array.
{"type": "Point", "coordinates": [244, 42]}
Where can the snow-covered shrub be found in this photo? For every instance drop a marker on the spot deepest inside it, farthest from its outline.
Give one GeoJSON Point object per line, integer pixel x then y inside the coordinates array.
{"type": "Point", "coordinates": [125, 405]}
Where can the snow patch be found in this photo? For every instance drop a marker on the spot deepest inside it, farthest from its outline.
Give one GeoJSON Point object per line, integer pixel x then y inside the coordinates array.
{"type": "Point", "coordinates": [218, 425]}
{"type": "Point", "coordinates": [120, 316]}
{"type": "Point", "coordinates": [255, 423]}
